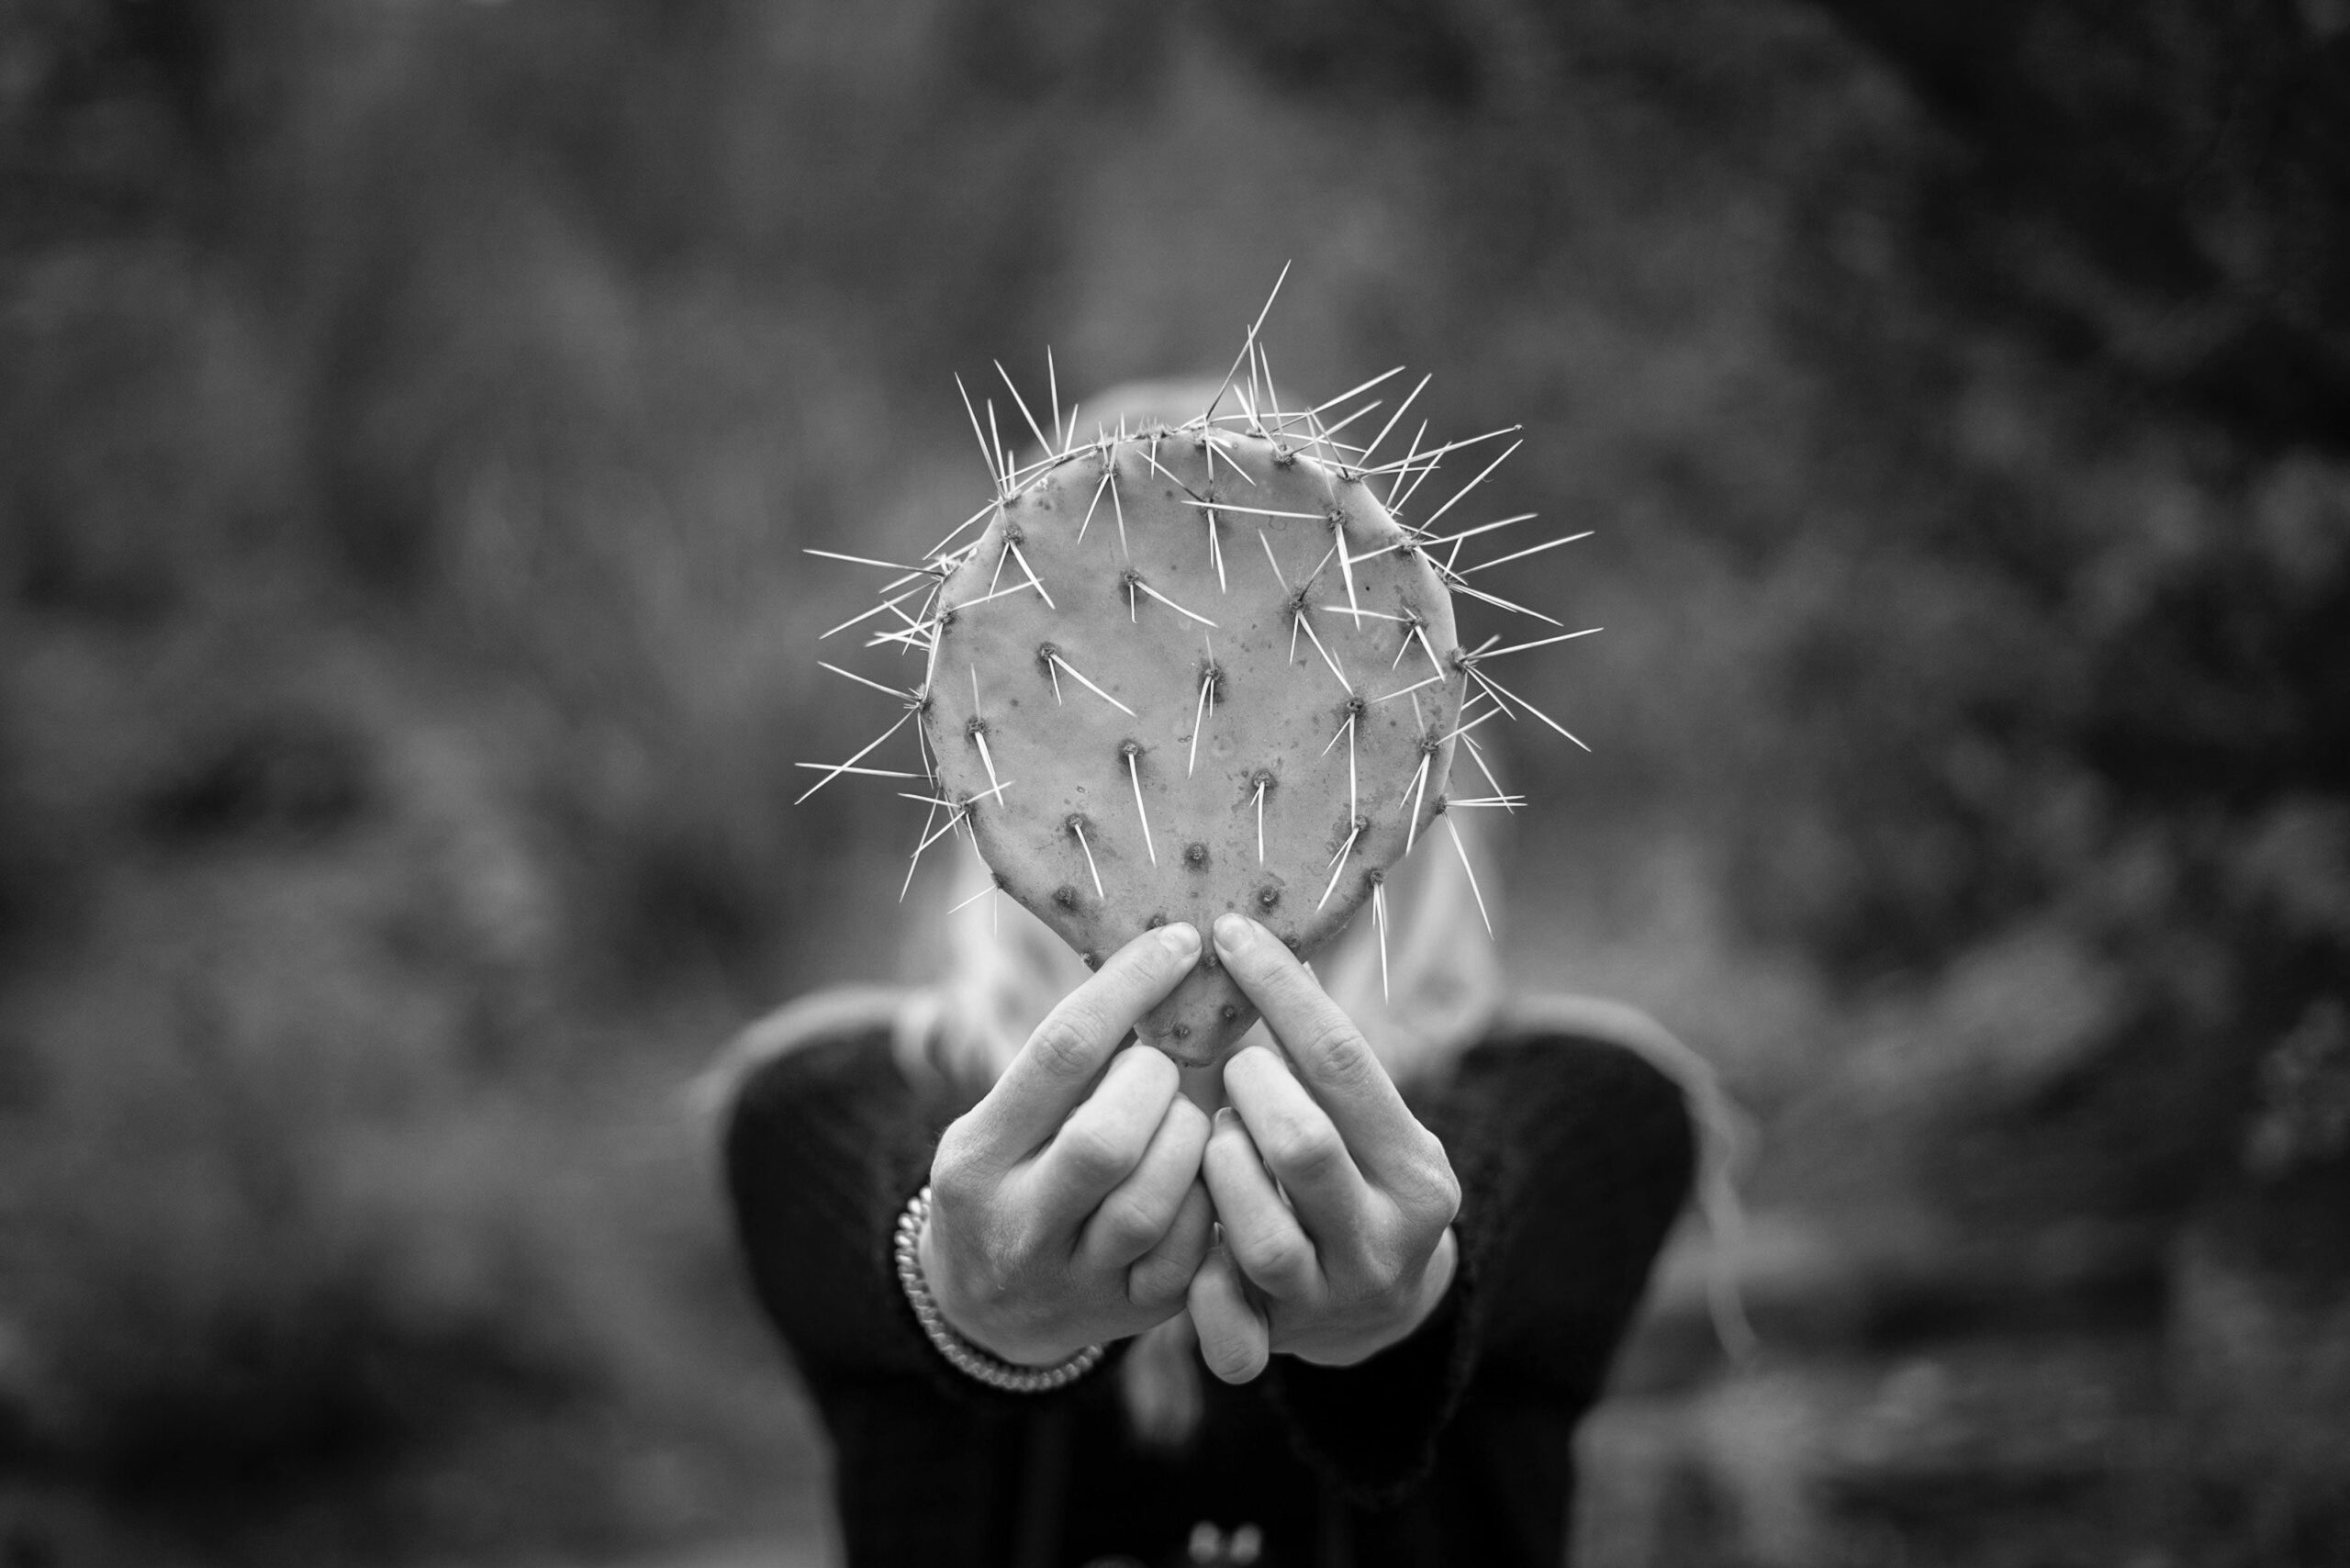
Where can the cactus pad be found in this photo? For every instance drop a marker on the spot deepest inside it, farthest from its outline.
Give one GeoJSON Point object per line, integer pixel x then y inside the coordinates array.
{"type": "Point", "coordinates": [1145, 724]}
{"type": "Point", "coordinates": [1192, 667]}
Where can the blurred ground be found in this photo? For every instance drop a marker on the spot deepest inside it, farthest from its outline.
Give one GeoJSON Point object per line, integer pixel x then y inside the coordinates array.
{"type": "Point", "coordinates": [411, 416]}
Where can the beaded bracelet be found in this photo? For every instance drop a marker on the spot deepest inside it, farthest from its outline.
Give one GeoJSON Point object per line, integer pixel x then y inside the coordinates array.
{"type": "Point", "coordinates": [964, 1356]}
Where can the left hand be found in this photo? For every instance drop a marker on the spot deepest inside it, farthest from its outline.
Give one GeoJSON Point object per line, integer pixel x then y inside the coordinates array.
{"type": "Point", "coordinates": [1362, 1250]}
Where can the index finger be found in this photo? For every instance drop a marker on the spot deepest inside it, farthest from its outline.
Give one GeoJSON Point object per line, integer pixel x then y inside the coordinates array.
{"type": "Point", "coordinates": [1051, 1074]}
{"type": "Point", "coordinates": [1332, 1058]}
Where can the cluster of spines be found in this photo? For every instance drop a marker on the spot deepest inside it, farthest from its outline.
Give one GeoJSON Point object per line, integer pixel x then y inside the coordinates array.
{"type": "Point", "coordinates": [1290, 435]}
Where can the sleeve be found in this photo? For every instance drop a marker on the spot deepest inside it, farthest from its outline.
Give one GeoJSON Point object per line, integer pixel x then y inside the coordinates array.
{"type": "Point", "coordinates": [823, 1145]}
{"type": "Point", "coordinates": [1574, 1156]}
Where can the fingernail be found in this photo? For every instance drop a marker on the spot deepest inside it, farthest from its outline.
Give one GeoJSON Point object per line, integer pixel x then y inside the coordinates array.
{"type": "Point", "coordinates": [1181, 940]}
{"type": "Point", "coordinates": [1232, 931]}
{"type": "Point", "coordinates": [1227, 1116]}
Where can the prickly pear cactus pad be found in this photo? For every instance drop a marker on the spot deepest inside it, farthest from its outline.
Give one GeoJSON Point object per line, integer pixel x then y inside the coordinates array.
{"type": "Point", "coordinates": [1193, 666]}
{"type": "Point", "coordinates": [1162, 740]}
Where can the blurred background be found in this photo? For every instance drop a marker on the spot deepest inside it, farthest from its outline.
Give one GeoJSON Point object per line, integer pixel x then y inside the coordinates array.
{"type": "Point", "coordinates": [411, 416]}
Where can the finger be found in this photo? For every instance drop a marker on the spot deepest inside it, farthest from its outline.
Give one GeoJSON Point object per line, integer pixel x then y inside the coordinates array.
{"type": "Point", "coordinates": [1053, 1070]}
{"type": "Point", "coordinates": [1103, 1141]}
{"type": "Point", "coordinates": [1134, 1214]}
{"type": "Point", "coordinates": [1333, 1060]}
{"type": "Point", "coordinates": [1161, 1277]}
{"type": "Point", "coordinates": [1260, 1231]}
{"type": "Point", "coordinates": [1299, 1144]}
{"type": "Point", "coordinates": [1234, 1340]}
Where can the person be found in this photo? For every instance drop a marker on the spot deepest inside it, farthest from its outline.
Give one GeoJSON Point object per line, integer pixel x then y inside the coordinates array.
{"type": "Point", "coordinates": [1402, 1227]}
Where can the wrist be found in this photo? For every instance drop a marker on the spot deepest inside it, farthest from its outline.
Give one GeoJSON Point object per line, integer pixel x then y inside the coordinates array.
{"type": "Point", "coordinates": [914, 1251]}
{"type": "Point", "coordinates": [941, 1279]}
{"type": "Point", "coordinates": [956, 1312]}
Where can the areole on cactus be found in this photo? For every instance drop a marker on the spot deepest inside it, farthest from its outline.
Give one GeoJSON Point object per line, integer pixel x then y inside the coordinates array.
{"type": "Point", "coordinates": [1195, 663]}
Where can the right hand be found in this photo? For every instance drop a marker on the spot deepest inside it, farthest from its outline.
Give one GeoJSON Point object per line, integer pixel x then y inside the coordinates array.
{"type": "Point", "coordinates": [1061, 1217]}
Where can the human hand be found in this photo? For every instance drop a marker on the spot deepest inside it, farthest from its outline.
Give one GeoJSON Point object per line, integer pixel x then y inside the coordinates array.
{"type": "Point", "coordinates": [1059, 1217]}
{"type": "Point", "coordinates": [1362, 1250]}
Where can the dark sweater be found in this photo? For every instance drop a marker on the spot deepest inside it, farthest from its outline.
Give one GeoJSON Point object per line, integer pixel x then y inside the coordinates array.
{"type": "Point", "coordinates": [1452, 1448]}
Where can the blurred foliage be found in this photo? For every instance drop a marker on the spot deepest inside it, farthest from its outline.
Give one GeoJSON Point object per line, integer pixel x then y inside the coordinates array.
{"type": "Point", "coordinates": [411, 413]}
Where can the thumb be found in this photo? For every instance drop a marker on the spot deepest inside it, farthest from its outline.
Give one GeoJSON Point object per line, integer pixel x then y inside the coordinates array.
{"type": "Point", "coordinates": [1235, 1341]}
